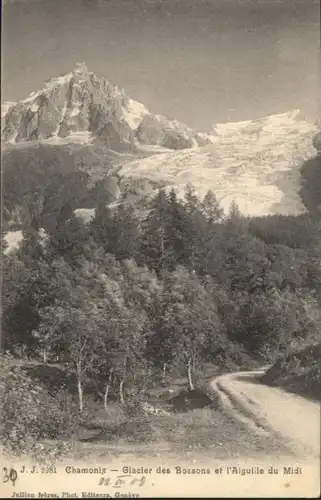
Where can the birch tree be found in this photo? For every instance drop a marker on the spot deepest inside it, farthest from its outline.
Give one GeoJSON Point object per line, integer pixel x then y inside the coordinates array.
{"type": "Point", "coordinates": [191, 317]}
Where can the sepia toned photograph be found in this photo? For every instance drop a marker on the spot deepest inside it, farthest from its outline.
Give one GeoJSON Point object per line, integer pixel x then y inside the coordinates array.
{"type": "Point", "coordinates": [160, 249]}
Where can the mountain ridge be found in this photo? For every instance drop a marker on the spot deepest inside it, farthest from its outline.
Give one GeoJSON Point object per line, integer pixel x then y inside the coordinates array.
{"type": "Point", "coordinates": [255, 163]}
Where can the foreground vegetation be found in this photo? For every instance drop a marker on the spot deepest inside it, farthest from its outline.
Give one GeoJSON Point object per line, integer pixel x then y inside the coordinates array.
{"type": "Point", "coordinates": [46, 426]}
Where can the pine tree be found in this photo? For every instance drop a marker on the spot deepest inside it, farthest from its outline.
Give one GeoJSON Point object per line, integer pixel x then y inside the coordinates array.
{"type": "Point", "coordinates": [124, 240]}
{"type": "Point", "coordinates": [179, 232]}
{"type": "Point", "coordinates": [211, 208]}
{"type": "Point", "coordinates": [155, 245]}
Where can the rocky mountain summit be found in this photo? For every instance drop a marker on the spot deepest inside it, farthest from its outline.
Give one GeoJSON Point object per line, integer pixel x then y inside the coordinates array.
{"type": "Point", "coordinates": [81, 107]}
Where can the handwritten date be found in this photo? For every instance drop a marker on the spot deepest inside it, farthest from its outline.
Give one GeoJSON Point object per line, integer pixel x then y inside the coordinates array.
{"type": "Point", "coordinates": [122, 480]}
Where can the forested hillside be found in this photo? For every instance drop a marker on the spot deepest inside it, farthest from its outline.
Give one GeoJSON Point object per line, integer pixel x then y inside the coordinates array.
{"type": "Point", "coordinates": [147, 290]}
{"type": "Point", "coordinates": [184, 282]}
{"type": "Point", "coordinates": [41, 180]}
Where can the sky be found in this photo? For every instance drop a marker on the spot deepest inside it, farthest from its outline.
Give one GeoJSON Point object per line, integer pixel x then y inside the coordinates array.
{"type": "Point", "coordinates": [199, 61]}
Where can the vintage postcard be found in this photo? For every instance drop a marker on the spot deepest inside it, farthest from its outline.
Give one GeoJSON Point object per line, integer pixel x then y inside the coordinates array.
{"type": "Point", "coordinates": [161, 249]}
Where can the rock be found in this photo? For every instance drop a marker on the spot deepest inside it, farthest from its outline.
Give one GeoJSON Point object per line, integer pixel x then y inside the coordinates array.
{"type": "Point", "coordinates": [317, 142]}
{"type": "Point", "coordinates": [85, 214]}
{"type": "Point", "coordinates": [190, 400]}
{"type": "Point", "coordinates": [157, 130]}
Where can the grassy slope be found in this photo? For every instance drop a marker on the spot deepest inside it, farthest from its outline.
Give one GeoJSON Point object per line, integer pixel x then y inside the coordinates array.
{"type": "Point", "coordinates": [207, 430]}
{"type": "Point", "coordinates": [298, 371]}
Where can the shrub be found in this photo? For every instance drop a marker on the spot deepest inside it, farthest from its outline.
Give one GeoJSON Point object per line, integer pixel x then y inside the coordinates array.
{"type": "Point", "coordinates": [29, 413]}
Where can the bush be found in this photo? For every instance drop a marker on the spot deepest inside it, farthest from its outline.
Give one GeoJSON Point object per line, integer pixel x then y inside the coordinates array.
{"type": "Point", "coordinates": [298, 371]}
{"type": "Point", "coordinates": [29, 413]}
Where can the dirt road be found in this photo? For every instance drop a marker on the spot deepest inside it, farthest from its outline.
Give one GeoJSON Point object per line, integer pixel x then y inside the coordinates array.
{"type": "Point", "coordinates": [271, 410]}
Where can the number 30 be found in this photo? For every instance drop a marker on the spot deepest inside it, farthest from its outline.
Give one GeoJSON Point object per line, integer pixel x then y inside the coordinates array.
{"type": "Point", "coordinates": [11, 476]}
